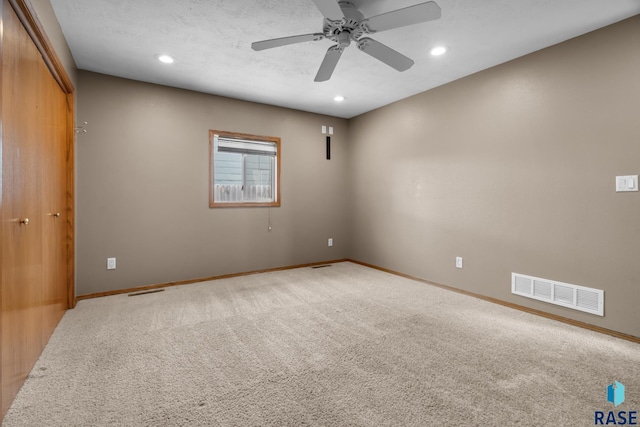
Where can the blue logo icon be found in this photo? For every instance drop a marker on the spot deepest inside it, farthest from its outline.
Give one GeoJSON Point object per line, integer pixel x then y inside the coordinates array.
{"type": "Point", "coordinates": [615, 393]}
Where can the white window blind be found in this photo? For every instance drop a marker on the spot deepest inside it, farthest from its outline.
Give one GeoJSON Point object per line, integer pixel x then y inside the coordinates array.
{"type": "Point", "coordinates": [243, 146]}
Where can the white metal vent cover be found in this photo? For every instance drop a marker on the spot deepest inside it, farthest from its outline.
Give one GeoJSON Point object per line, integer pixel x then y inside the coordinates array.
{"type": "Point", "coordinates": [577, 297]}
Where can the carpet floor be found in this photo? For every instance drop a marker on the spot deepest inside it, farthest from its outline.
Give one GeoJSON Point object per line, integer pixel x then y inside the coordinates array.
{"type": "Point", "coordinates": [344, 345]}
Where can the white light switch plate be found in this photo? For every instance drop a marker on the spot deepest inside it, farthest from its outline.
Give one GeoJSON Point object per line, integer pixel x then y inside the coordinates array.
{"type": "Point", "coordinates": [458, 262]}
{"type": "Point", "coordinates": [111, 263]}
{"type": "Point", "coordinates": [626, 183]}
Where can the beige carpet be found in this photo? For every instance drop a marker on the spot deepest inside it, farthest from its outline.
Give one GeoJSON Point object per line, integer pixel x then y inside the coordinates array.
{"type": "Point", "coordinates": [338, 346]}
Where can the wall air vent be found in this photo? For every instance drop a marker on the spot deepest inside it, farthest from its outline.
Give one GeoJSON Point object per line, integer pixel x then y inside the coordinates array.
{"type": "Point", "coordinates": [572, 296]}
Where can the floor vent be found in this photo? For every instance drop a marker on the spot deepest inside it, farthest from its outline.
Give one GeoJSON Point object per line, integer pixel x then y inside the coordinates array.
{"type": "Point", "coordinates": [146, 292]}
{"type": "Point", "coordinates": [572, 296]}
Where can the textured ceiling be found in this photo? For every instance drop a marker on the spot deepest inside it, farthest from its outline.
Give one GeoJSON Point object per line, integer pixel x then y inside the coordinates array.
{"type": "Point", "coordinates": [211, 41]}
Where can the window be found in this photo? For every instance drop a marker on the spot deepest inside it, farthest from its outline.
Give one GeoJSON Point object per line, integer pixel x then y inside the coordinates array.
{"type": "Point", "coordinates": [245, 170]}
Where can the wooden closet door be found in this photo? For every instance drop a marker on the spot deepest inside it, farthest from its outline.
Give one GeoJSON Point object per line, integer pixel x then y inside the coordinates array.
{"type": "Point", "coordinates": [52, 137]}
{"type": "Point", "coordinates": [33, 287]}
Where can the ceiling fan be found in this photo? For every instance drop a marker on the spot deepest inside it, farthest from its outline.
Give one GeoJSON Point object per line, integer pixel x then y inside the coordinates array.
{"type": "Point", "coordinates": [344, 23]}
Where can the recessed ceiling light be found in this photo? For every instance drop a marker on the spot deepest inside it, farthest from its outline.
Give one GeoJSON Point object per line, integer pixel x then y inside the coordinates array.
{"type": "Point", "coordinates": [165, 58]}
{"type": "Point", "coordinates": [339, 98]}
{"type": "Point", "coordinates": [438, 50]}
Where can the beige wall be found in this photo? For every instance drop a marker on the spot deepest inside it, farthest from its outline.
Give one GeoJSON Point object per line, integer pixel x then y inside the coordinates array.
{"type": "Point", "coordinates": [513, 169]}
{"type": "Point", "coordinates": [142, 190]}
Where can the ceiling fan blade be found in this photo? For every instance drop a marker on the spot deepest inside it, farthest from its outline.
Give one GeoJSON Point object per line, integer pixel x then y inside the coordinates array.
{"type": "Point", "coordinates": [330, 9]}
{"type": "Point", "coordinates": [402, 17]}
{"type": "Point", "coordinates": [283, 41]}
{"type": "Point", "coordinates": [328, 64]}
{"type": "Point", "coordinates": [384, 53]}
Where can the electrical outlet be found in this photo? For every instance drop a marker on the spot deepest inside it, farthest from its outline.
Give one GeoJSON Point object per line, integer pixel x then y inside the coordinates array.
{"type": "Point", "coordinates": [458, 262]}
{"type": "Point", "coordinates": [330, 242]}
{"type": "Point", "coordinates": [111, 263]}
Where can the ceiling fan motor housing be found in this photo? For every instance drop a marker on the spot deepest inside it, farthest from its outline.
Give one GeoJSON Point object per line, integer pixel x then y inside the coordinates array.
{"type": "Point", "coordinates": [347, 29]}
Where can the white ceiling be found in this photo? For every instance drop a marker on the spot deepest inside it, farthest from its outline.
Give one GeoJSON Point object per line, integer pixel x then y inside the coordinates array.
{"type": "Point", "coordinates": [211, 41]}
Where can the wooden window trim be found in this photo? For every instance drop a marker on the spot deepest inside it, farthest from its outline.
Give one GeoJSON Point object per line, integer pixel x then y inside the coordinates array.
{"type": "Point", "coordinates": [249, 137]}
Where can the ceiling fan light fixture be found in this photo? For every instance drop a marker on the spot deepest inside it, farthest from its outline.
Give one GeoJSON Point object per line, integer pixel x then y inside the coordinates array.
{"type": "Point", "coordinates": [339, 98]}
{"type": "Point", "coordinates": [439, 50]}
{"type": "Point", "coordinates": [166, 59]}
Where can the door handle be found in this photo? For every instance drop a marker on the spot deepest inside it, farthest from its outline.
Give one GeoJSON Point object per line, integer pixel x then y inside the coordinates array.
{"type": "Point", "coordinates": [55, 215]}
{"type": "Point", "coordinates": [24, 221]}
